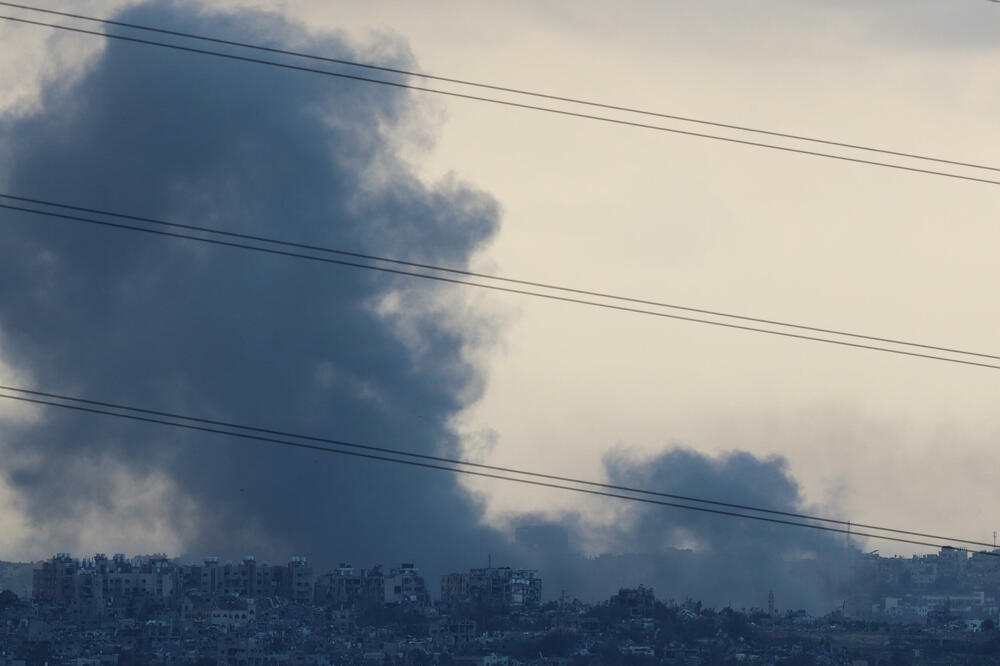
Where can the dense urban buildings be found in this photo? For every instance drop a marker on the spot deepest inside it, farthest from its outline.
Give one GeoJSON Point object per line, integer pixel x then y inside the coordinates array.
{"type": "Point", "coordinates": [933, 609]}
{"type": "Point", "coordinates": [500, 587]}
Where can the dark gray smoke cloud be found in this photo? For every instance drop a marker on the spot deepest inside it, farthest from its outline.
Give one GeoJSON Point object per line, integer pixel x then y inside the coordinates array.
{"type": "Point", "coordinates": [292, 345]}
{"type": "Point", "coordinates": [716, 559]}
{"type": "Point", "coordinates": [230, 334]}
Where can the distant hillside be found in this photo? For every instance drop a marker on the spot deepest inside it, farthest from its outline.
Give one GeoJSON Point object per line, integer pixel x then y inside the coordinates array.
{"type": "Point", "coordinates": [16, 576]}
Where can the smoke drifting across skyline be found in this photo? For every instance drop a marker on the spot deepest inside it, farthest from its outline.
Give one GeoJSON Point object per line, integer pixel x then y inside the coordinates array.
{"type": "Point", "coordinates": [269, 341]}
{"type": "Point", "coordinates": [688, 554]}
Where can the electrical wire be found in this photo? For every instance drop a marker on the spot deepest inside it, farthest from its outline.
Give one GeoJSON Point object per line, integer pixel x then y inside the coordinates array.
{"type": "Point", "coordinates": [498, 88]}
{"type": "Point", "coordinates": [469, 273]}
{"type": "Point", "coordinates": [456, 470]}
{"type": "Point", "coordinates": [495, 468]}
{"type": "Point", "coordinates": [487, 276]}
{"type": "Point", "coordinates": [512, 104]}
{"type": "Point", "coordinates": [494, 287]}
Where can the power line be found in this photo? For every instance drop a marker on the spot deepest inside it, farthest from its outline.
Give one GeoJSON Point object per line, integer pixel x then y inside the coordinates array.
{"type": "Point", "coordinates": [454, 461]}
{"type": "Point", "coordinates": [495, 287]}
{"type": "Point", "coordinates": [508, 103]}
{"type": "Point", "coordinates": [457, 470]}
{"type": "Point", "coordinates": [487, 276]}
{"type": "Point", "coordinates": [495, 468]}
{"type": "Point", "coordinates": [499, 88]}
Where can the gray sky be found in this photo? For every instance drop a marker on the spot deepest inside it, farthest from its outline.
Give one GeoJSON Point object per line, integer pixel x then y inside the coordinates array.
{"type": "Point", "coordinates": [871, 437]}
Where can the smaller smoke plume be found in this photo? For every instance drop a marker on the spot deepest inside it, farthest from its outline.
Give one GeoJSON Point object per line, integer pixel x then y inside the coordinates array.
{"type": "Point", "coordinates": [719, 560]}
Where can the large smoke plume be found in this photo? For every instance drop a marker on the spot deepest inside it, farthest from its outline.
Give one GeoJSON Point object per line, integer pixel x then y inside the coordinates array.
{"type": "Point", "coordinates": [288, 344]}
{"type": "Point", "coordinates": [231, 334]}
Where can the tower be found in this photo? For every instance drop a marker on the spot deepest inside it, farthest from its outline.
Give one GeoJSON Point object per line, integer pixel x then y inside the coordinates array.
{"type": "Point", "coordinates": [770, 603]}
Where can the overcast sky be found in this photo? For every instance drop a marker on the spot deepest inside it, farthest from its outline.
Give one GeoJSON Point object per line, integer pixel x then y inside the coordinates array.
{"type": "Point", "coordinates": [870, 437]}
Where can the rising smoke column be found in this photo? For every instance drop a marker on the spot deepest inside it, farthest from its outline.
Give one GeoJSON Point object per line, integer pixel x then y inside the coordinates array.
{"type": "Point", "coordinates": [289, 344]}
{"type": "Point", "coordinates": [681, 554]}
{"type": "Point", "coordinates": [720, 559]}
{"type": "Point", "coordinates": [229, 334]}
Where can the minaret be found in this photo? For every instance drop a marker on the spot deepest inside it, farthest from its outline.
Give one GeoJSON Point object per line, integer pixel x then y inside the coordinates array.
{"type": "Point", "coordinates": [770, 603]}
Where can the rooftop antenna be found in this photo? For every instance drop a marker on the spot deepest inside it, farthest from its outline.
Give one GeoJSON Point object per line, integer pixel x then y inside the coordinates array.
{"type": "Point", "coordinates": [994, 538]}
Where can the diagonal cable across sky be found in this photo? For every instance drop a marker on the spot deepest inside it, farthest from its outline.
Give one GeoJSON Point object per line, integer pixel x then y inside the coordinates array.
{"type": "Point", "coordinates": [23, 209]}
{"type": "Point", "coordinates": [614, 302]}
{"type": "Point", "coordinates": [512, 103]}
{"type": "Point", "coordinates": [458, 466]}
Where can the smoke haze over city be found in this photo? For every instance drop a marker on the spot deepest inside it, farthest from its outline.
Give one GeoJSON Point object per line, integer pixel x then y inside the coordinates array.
{"type": "Point", "coordinates": [434, 369]}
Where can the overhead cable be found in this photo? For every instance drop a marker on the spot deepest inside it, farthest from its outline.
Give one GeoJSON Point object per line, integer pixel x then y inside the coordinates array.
{"type": "Point", "coordinates": [497, 278]}
{"type": "Point", "coordinates": [460, 470]}
{"type": "Point", "coordinates": [499, 287]}
{"type": "Point", "coordinates": [510, 103]}
{"type": "Point", "coordinates": [494, 87]}
{"type": "Point", "coordinates": [495, 468]}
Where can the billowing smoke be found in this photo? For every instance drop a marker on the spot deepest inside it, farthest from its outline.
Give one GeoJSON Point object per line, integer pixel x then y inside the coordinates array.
{"type": "Point", "coordinates": [293, 345]}
{"type": "Point", "coordinates": [229, 334]}
{"type": "Point", "coordinates": [717, 559]}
